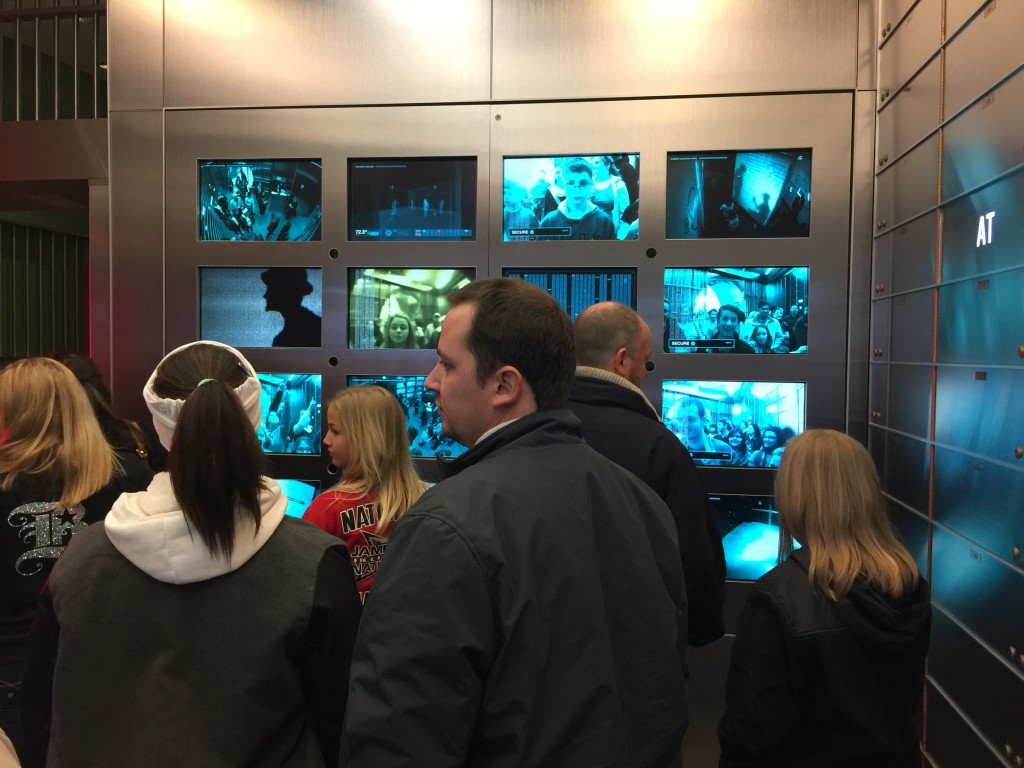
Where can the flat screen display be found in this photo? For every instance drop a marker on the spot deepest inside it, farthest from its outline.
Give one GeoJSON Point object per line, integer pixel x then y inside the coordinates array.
{"type": "Point", "coordinates": [399, 307]}
{"type": "Point", "coordinates": [734, 423]}
{"type": "Point", "coordinates": [412, 198]}
{"type": "Point", "coordinates": [577, 289]}
{"type": "Point", "coordinates": [750, 535]}
{"type": "Point", "coordinates": [260, 200]}
{"type": "Point", "coordinates": [300, 493]}
{"type": "Point", "coordinates": [421, 415]}
{"type": "Point", "coordinates": [290, 403]}
{"type": "Point", "coordinates": [571, 197]}
{"type": "Point", "coordinates": [738, 194]}
{"type": "Point", "coordinates": [748, 310]}
{"type": "Point", "coordinates": [260, 306]}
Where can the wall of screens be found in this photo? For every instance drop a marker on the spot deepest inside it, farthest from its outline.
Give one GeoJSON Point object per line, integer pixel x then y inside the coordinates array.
{"type": "Point", "coordinates": [326, 254]}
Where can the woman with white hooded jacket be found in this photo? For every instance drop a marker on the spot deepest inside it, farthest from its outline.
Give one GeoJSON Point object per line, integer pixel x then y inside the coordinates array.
{"type": "Point", "coordinates": [198, 625]}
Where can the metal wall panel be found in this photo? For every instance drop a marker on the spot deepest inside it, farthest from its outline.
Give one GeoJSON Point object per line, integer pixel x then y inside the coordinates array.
{"type": "Point", "coordinates": [902, 466]}
{"type": "Point", "coordinates": [909, 47]}
{"type": "Point", "coordinates": [985, 52]}
{"type": "Point", "coordinates": [53, 149]}
{"type": "Point", "coordinates": [255, 53]}
{"type": "Point", "coordinates": [957, 662]}
{"type": "Point", "coordinates": [890, 14]}
{"type": "Point", "coordinates": [985, 140]}
{"type": "Point", "coordinates": [970, 396]}
{"type": "Point", "coordinates": [914, 533]}
{"type": "Point", "coordinates": [983, 232]}
{"type": "Point", "coordinates": [135, 54]}
{"type": "Point", "coordinates": [973, 320]}
{"type": "Point", "coordinates": [905, 257]}
{"type": "Point", "coordinates": [911, 328]}
{"type": "Point", "coordinates": [980, 500]}
{"type": "Point", "coordinates": [951, 742]}
{"type": "Point", "coordinates": [136, 255]}
{"type": "Point", "coordinates": [881, 327]}
{"type": "Point", "coordinates": [909, 116]}
{"type": "Point", "coordinates": [978, 589]}
{"type": "Point", "coordinates": [575, 49]}
{"type": "Point", "coordinates": [910, 403]}
{"type": "Point", "coordinates": [908, 186]}
{"type": "Point", "coordinates": [99, 276]}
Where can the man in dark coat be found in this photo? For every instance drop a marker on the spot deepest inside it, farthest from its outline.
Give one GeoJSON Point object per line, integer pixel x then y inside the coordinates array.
{"type": "Point", "coordinates": [530, 609]}
{"type": "Point", "coordinates": [613, 344]}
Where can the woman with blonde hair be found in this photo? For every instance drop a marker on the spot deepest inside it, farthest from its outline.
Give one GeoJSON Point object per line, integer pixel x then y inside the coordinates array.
{"type": "Point", "coordinates": [828, 663]}
{"type": "Point", "coordinates": [57, 475]}
{"type": "Point", "coordinates": [210, 627]}
{"type": "Point", "coordinates": [367, 440]}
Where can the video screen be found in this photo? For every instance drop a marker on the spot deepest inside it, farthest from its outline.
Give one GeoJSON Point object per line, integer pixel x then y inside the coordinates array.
{"type": "Point", "coordinates": [412, 198]}
{"type": "Point", "coordinates": [734, 423]}
{"type": "Point", "coordinates": [260, 306]}
{"type": "Point", "coordinates": [300, 493]}
{"type": "Point", "coordinates": [290, 403]}
{"type": "Point", "coordinates": [399, 308]}
{"type": "Point", "coordinates": [747, 310]}
{"type": "Point", "coordinates": [259, 200]}
{"type": "Point", "coordinates": [421, 416]}
{"type": "Point", "coordinates": [571, 197]}
{"type": "Point", "coordinates": [750, 535]}
{"type": "Point", "coordinates": [577, 289]}
{"type": "Point", "coordinates": [757, 193]}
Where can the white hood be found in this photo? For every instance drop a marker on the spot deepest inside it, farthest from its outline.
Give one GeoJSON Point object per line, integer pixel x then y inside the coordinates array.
{"type": "Point", "coordinates": [150, 530]}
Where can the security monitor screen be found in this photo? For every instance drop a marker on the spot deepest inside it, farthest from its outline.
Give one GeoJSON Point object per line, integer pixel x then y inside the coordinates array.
{"type": "Point", "coordinates": [290, 403]}
{"type": "Point", "coordinates": [577, 289]}
{"type": "Point", "coordinates": [571, 197]}
{"type": "Point", "coordinates": [750, 535]}
{"type": "Point", "coordinates": [730, 194]}
{"type": "Point", "coordinates": [746, 310]}
{"type": "Point", "coordinates": [399, 307]}
{"type": "Point", "coordinates": [734, 423]}
{"type": "Point", "coordinates": [260, 306]}
{"type": "Point", "coordinates": [412, 198]}
{"type": "Point", "coordinates": [260, 200]}
{"type": "Point", "coordinates": [423, 421]}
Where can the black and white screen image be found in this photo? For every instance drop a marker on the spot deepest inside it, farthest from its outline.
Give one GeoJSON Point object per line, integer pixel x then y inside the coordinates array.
{"type": "Point", "coordinates": [577, 289]}
{"type": "Point", "coordinates": [412, 198]}
{"type": "Point", "coordinates": [734, 423]}
{"type": "Point", "coordinates": [260, 200]}
{"type": "Point", "coordinates": [290, 403]}
{"type": "Point", "coordinates": [260, 306]}
{"type": "Point", "coordinates": [399, 308]}
{"type": "Point", "coordinates": [748, 310]}
{"type": "Point", "coordinates": [423, 421]}
{"type": "Point", "coordinates": [571, 197]}
{"type": "Point", "coordinates": [756, 193]}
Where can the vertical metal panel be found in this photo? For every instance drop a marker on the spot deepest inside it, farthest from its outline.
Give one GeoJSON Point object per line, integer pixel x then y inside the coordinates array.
{"type": "Point", "coordinates": [986, 51]}
{"type": "Point", "coordinates": [136, 254]}
{"type": "Point", "coordinates": [909, 47]}
{"type": "Point", "coordinates": [985, 140]}
{"type": "Point", "coordinates": [890, 14]}
{"type": "Point", "coordinates": [99, 308]}
{"type": "Point", "coordinates": [912, 327]}
{"type": "Point", "coordinates": [957, 662]}
{"type": "Point", "coordinates": [950, 741]}
{"type": "Point", "coordinates": [958, 12]}
{"type": "Point", "coordinates": [909, 116]}
{"type": "Point", "coordinates": [356, 52]}
{"type": "Point", "coordinates": [903, 468]}
{"type": "Point", "coordinates": [881, 330]}
{"type": "Point", "coordinates": [971, 396]}
{"type": "Point", "coordinates": [978, 589]}
{"type": "Point", "coordinates": [979, 499]}
{"type": "Point", "coordinates": [979, 320]}
{"type": "Point", "coordinates": [136, 53]}
{"type": "Point", "coordinates": [914, 533]}
{"type": "Point", "coordinates": [908, 186]}
{"type": "Point", "coordinates": [905, 257]}
{"type": "Point", "coordinates": [555, 49]}
{"type": "Point", "coordinates": [910, 403]}
{"type": "Point", "coordinates": [54, 149]}
{"type": "Point", "coordinates": [983, 232]}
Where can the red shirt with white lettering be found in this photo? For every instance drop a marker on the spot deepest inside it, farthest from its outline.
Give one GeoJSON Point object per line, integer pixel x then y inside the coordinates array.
{"type": "Point", "coordinates": [353, 519]}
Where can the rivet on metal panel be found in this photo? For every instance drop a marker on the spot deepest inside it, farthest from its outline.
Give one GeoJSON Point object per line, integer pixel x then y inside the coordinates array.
{"type": "Point", "coordinates": [1013, 651]}
{"type": "Point", "coordinates": [878, 351]}
{"type": "Point", "coordinates": [1016, 553]}
{"type": "Point", "coordinates": [497, 117]}
{"type": "Point", "coordinates": [1020, 351]}
{"type": "Point", "coordinates": [1008, 750]}
{"type": "Point", "coordinates": [1018, 452]}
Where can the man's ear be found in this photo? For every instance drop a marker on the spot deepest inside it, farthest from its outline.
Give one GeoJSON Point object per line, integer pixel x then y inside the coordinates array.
{"type": "Point", "coordinates": [619, 365]}
{"type": "Point", "coordinates": [510, 386]}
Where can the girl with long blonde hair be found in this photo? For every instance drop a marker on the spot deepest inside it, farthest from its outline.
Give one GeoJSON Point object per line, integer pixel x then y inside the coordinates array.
{"type": "Point", "coordinates": [828, 663]}
{"type": "Point", "coordinates": [366, 438]}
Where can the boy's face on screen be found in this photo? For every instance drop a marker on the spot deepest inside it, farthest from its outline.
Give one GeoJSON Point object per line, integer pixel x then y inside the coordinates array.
{"type": "Point", "coordinates": [577, 189]}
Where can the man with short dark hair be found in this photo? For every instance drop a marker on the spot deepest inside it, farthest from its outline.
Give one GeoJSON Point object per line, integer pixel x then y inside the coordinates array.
{"type": "Point", "coordinates": [613, 344]}
{"type": "Point", "coordinates": [730, 319]}
{"type": "Point", "coordinates": [530, 610]}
